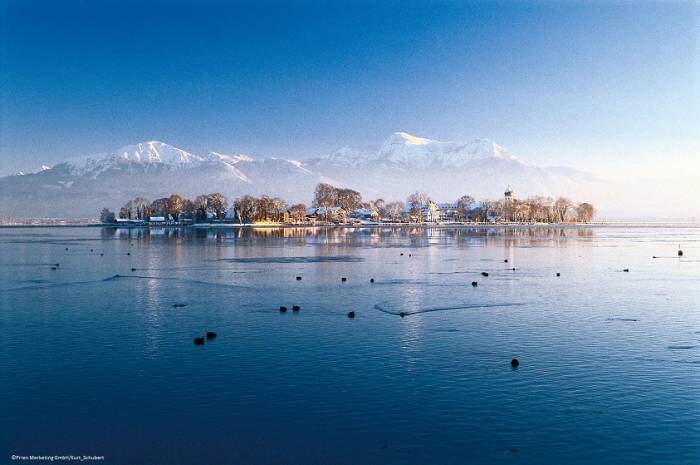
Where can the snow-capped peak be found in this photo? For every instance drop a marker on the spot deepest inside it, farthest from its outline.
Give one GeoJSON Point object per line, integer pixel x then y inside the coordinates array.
{"type": "Point", "coordinates": [231, 159]}
{"type": "Point", "coordinates": [408, 139]}
{"type": "Point", "coordinates": [156, 152]}
{"type": "Point", "coordinates": [406, 149]}
{"type": "Point", "coordinates": [145, 153]}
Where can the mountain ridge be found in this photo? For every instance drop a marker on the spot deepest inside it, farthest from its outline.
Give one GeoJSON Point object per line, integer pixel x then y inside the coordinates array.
{"type": "Point", "coordinates": [404, 163]}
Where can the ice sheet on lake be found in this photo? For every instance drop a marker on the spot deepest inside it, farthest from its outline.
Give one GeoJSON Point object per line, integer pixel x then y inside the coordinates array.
{"type": "Point", "coordinates": [318, 259]}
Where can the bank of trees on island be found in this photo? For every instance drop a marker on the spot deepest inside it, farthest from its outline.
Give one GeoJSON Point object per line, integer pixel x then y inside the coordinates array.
{"type": "Point", "coordinates": [341, 205]}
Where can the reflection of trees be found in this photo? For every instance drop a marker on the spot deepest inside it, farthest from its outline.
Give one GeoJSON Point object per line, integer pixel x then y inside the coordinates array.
{"type": "Point", "coordinates": [403, 236]}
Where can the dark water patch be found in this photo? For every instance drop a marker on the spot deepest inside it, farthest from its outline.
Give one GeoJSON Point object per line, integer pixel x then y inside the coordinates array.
{"type": "Point", "coordinates": [622, 319]}
{"type": "Point", "coordinates": [443, 330]}
{"type": "Point", "coordinates": [583, 411]}
{"type": "Point", "coordinates": [508, 450]}
{"type": "Point", "coordinates": [680, 347]}
{"type": "Point", "coordinates": [382, 307]}
{"type": "Point", "coordinates": [283, 260]}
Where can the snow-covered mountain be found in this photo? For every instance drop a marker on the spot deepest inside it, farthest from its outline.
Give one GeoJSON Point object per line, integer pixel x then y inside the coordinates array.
{"type": "Point", "coordinates": [80, 187]}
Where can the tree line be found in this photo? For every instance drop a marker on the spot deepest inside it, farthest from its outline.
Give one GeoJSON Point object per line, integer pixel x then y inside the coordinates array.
{"type": "Point", "coordinates": [335, 204]}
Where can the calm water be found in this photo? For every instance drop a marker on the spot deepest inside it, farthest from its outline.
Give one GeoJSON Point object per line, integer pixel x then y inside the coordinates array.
{"type": "Point", "coordinates": [93, 364]}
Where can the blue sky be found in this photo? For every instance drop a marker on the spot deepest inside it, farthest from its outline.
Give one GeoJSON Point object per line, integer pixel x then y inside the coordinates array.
{"type": "Point", "coordinates": [601, 86]}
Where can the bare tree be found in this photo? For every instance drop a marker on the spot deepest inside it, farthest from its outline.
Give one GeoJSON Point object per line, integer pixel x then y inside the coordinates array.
{"type": "Point", "coordinates": [560, 208]}
{"type": "Point", "coordinates": [324, 195]}
{"type": "Point", "coordinates": [159, 207]}
{"type": "Point", "coordinates": [201, 203]}
{"type": "Point", "coordinates": [585, 212]}
{"type": "Point", "coordinates": [246, 208]}
{"type": "Point", "coordinates": [394, 210]}
{"type": "Point", "coordinates": [492, 209]}
{"type": "Point", "coordinates": [415, 204]}
{"type": "Point", "coordinates": [174, 207]}
{"type": "Point", "coordinates": [464, 204]}
{"type": "Point", "coordinates": [348, 199]}
{"type": "Point", "coordinates": [142, 207]}
{"type": "Point", "coordinates": [298, 212]}
{"type": "Point", "coordinates": [216, 204]}
{"type": "Point", "coordinates": [278, 208]}
{"type": "Point", "coordinates": [188, 209]}
{"type": "Point", "coordinates": [433, 211]}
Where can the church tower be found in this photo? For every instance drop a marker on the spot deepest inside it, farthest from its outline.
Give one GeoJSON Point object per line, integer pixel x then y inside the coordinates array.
{"type": "Point", "coordinates": [509, 196]}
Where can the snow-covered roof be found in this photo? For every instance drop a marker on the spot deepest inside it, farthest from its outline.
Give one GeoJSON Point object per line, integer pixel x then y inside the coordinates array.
{"type": "Point", "coordinates": [322, 210]}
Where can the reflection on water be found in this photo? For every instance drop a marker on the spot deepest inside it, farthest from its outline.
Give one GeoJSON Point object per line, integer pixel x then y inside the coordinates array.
{"type": "Point", "coordinates": [97, 358]}
{"type": "Point", "coordinates": [418, 235]}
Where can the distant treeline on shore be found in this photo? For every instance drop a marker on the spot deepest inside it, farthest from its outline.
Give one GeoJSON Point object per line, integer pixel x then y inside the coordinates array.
{"type": "Point", "coordinates": [333, 205]}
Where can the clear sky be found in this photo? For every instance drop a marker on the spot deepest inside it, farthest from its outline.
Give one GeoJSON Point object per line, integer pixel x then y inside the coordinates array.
{"type": "Point", "coordinates": [601, 86]}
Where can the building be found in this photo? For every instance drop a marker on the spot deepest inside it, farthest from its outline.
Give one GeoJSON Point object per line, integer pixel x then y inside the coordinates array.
{"type": "Point", "coordinates": [509, 196]}
{"type": "Point", "coordinates": [323, 214]}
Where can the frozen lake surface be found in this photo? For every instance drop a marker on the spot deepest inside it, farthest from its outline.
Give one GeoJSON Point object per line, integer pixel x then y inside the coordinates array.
{"type": "Point", "coordinates": [95, 364]}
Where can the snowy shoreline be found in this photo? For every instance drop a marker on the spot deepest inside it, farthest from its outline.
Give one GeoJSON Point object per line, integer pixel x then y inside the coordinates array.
{"type": "Point", "coordinates": [366, 226]}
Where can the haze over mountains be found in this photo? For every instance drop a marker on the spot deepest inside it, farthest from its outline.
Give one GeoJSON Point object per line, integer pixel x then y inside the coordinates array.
{"type": "Point", "coordinates": [80, 187]}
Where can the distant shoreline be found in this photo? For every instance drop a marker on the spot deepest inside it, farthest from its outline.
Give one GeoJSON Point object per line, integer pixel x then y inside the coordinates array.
{"type": "Point", "coordinates": [219, 226]}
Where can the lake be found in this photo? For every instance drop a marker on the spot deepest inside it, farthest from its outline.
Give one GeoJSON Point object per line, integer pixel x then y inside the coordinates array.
{"type": "Point", "coordinates": [98, 359]}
